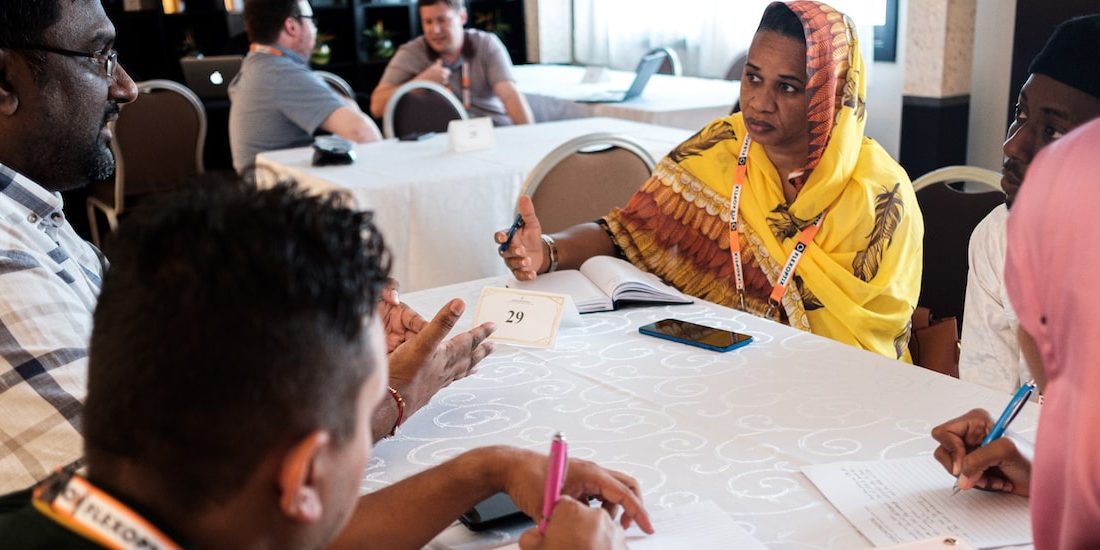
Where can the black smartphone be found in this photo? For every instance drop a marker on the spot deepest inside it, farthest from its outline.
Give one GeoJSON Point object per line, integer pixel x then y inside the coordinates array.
{"type": "Point", "coordinates": [415, 136]}
{"type": "Point", "coordinates": [696, 335]}
{"type": "Point", "coordinates": [496, 511]}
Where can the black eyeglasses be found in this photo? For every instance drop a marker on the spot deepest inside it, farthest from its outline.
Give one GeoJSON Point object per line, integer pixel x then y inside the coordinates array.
{"type": "Point", "coordinates": [108, 59]}
{"type": "Point", "coordinates": [310, 17]}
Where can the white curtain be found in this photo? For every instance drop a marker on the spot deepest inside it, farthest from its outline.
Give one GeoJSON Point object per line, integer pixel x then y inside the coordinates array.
{"type": "Point", "coordinates": [707, 34]}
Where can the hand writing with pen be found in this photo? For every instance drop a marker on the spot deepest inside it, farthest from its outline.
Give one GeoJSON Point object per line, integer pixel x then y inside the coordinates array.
{"type": "Point", "coordinates": [995, 466]}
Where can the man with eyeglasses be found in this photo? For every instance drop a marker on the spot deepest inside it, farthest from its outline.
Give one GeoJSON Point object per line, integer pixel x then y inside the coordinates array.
{"type": "Point", "coordinates": [277, 102]}
{"type": "Point", "coordinates": [60, 87]}
{"type": "Point", "coordinates": [471, 63]}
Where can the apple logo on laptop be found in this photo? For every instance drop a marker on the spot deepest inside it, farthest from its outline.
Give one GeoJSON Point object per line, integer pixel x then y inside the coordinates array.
{"type": "Point", "coordinates": [216, 78]}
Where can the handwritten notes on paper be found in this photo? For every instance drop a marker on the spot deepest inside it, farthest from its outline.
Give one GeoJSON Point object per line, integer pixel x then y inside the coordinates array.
{"type": "Point", "coordinates": [894, 501]}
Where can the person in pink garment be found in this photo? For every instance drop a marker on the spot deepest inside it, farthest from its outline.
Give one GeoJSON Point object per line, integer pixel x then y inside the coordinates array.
{"type": "Point", "coordinates": [1048, 269]}
{"type": "Point", "coordinates": [1046, 274]}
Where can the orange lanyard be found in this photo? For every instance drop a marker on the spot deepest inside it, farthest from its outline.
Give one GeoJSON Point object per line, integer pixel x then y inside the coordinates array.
{"type": "Point", "coordinates": [805, 237]}
{"type": "Point", "coordinates": [265, 49]}
{"type": "Point", "coordinates": [76, 504]}
{"type": "Point", "coordinates": [466, 84]}
{"type": "Point", "coordinates": [463, 69]}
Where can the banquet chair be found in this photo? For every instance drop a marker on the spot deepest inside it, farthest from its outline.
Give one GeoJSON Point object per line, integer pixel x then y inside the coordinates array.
{"type": "Point", "coordinates": [149, 159]}
{"type": "Point", "coordinates": [585, 177]}
{"type": "Point", "coordinates": [671, 64]}
{"type": "Point", "coordinates": [737, 66]}
{"type": "Point", "coordinates": [950, 215]}
{"type": "Point", "coordinates": [338, 85]}
{"type": "Point", "coordinates": [734, 72]}
{"type": "Point", "coordinates": [420, 106]}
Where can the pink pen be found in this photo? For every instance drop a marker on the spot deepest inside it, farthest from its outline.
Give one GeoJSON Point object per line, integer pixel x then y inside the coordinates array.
{"type": "Point", "coordinates": [555, 478]}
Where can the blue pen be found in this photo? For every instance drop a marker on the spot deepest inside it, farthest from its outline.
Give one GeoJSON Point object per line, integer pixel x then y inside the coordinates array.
{"type": "Point", "coordinates": [1015, 405]}
{"type": "Point", "coordinates": [511, 233]}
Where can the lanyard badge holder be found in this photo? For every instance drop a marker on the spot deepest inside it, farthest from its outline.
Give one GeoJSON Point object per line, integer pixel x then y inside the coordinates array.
{"type": "Point", "coordinates": [805, 237]}
{"type": "Point", "coordinates": [74, 503]}
{"type": "Point", "coordinates": [463, 69]}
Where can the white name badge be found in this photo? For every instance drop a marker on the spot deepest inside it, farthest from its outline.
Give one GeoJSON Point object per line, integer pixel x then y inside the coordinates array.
{"type": "Point", "coordinates": [471, 135]}
{"type": "Point", "coordinates": [594, 75]}
{"type": "Point", "coordinates": [522, 317]}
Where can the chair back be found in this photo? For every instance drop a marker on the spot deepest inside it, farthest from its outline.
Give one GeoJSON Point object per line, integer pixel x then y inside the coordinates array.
{"type": "Point", "coordinates": [420, 106]}
{"type": "Point", "coordinates": [671, 64]}
{"type": "Point", "coordinates": [148, 158]}
{"type": "Point", "coordinates": [585, 177]}
{"type": "Point", "coordinates": [338, 85]}
{"type": "Point", "coordinates": [950, 216]}
{"type": "Point", "coordinates": [987, 179]}
{"type": "Point", "coordinates": [737, 66]}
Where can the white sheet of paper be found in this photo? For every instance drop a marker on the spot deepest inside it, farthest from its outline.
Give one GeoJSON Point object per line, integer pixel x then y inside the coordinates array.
{"type": "Point", "coordinates": [522, 317]}
{"type": "Point", "coordinates": [948, 542]}
{"type": "Point", "coordinates": [699, 526]}
{"type": "Point", "coordinates": [909, 499]}
{"type": "Point", "coordinates": [471, 135]}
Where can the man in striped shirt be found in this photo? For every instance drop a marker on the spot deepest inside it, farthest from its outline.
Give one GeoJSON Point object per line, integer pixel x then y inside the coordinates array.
{"type": "Point", "coordinates": [60, 86]}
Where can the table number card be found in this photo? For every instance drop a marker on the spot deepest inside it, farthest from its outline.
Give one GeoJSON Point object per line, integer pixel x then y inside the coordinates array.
{"type": "Point", "coordinates": [594, 75]}
{"type": "Point", "coordinates": [522, 317]}
{"type": "Point", "coordinates": [471, 135]}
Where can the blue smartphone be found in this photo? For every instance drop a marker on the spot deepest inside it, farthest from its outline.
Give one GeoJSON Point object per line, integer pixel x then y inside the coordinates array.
{"type": "Point", "coordinates": [696, 335]}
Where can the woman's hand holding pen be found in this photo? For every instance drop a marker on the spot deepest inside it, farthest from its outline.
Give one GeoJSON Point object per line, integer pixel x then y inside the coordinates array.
{"type": "Point", "coordinates": [524, 256]}
{"type": "Point", "coordinates": [997, 466]}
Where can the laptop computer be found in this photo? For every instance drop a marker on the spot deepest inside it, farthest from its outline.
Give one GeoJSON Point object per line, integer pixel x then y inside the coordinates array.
{"type": "Point", "coordinates": [648, 65]}
{"type": "Point", "coordinates": [209, 76]}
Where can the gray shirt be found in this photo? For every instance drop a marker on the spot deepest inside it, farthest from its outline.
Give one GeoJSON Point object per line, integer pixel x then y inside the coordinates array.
{"type": "Point", "coordinates": [488, 61]}
{"type": "Point", "coordinates": [276, 103]}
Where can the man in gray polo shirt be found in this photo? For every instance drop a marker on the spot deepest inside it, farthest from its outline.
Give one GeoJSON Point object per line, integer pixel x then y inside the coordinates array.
{"type": "Point", "coordinates": [471, 63]}
{"type": "Point", "coordinates": [277, 101]}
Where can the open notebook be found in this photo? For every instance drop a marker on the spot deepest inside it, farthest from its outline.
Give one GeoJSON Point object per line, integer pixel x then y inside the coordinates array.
{"type": "Point", "coordinates": [603, 283]}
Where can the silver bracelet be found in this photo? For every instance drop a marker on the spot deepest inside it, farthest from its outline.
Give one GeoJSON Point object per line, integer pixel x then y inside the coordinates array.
{"type": "Point", "coordinates": [553, 246]}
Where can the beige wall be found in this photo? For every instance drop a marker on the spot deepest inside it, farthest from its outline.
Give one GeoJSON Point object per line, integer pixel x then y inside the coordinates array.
{"type": "Point", "coordinates": [943, 32]}
{"type": "Point", "coordinates": [990, 80]}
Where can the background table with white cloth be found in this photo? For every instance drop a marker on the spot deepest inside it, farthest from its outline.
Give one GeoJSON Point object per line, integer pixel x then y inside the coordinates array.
{"type": "Point", "coordinates": [679, 101]}
{"type": "Point", "coordinates": [437, 209]}
{"type": "Point", "coordinates": [690, 424]}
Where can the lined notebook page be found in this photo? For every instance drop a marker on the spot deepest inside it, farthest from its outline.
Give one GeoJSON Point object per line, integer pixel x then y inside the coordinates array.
{"type": "Point", "coordinates": [902, 500]}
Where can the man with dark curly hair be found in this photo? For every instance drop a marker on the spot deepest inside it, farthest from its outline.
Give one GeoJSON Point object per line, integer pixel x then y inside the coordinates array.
{"type": "Point", "coordinates": [237, 357]}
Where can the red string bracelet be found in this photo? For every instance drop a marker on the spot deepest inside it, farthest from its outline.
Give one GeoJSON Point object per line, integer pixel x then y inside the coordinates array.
{"type": "Point", "coordinates": [400, 409]}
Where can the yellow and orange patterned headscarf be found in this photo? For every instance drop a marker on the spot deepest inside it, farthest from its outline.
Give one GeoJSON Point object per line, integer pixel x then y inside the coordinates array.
{"type": "Point", "coordinates": [859, 281]}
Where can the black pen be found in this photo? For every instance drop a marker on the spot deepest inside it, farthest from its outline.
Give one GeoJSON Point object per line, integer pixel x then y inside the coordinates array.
{"type": "Point", "coordinates": [511, 233]}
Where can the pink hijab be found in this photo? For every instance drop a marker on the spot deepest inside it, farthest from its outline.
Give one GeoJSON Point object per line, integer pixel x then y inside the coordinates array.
{"type": "Point", "coordinates": [1051, 274]}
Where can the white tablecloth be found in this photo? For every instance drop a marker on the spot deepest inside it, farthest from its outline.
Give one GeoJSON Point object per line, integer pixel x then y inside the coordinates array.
{"type": "Point", "coordinates": [679, 101]}
{"type": "Point", "coordinates": [437, 210]}
{"type": "Point", "coordinates": [691, 425]}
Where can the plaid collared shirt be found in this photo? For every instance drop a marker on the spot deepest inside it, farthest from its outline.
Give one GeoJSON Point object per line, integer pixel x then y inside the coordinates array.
{"type": "Point", "coordinates": [49, 281]}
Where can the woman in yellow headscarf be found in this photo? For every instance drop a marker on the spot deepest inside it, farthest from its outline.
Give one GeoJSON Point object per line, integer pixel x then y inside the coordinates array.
{"type": "Point", "coordinates": [827, 234]}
